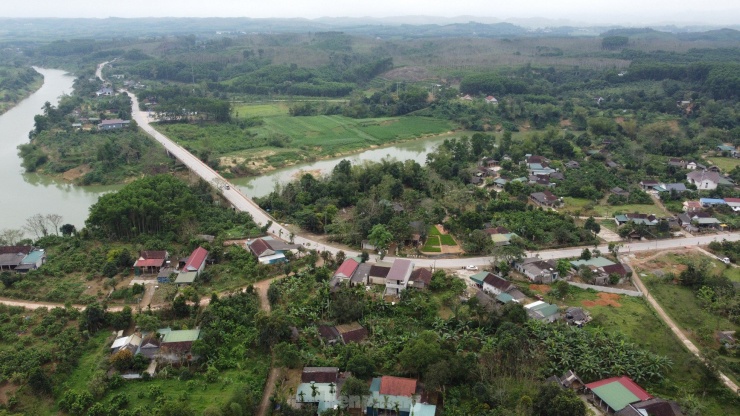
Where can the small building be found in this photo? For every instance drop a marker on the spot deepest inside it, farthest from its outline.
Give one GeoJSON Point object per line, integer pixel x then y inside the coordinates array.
{"type": "Point", "coordinates": [11, 256]}
{"type": "Point", "coordinates": [572, 164]}
{"type": "Point", "coordinates": [677, 162]}
{"type": "Point", "coordinates": [616, 393]}
{"type": "Point", "coordinates": [379, 272]}
{"type": "Point", "coordinates": [466, 97]}
{"type": "Point", "coordinates": [644, 219]}
{"type": "Point", "coordinates": [361, 276]}
{"type": "Point", "coordinates": [104, 92]}
{"type": "Point", "coordinates": [420, 278]}
{"type": "Point", "coordinates": [710, 202]}
{"type": "Point", "coordinates": [727, 339]}
{"type": "Point", "coordinates": [577, 316]}
{"type": "Point", "coordinates": [652, 407]}
{"type": "Point", "coordinates": [194, 264]}
{"type": "Point", "coordinates": [593, 261]}
{"type": "Point", "coordinates": [624, 272]}
{"type": "Point", "coordinates": [695, 206]}
{"type": "Point", "coordinates": [131, 343]}
{"type": "Point", "coordinates": [648, 184]}
{"type": "Point", "coordinates": [495, 284]}
{"type": "Point", "coordinates": [346, 270]}
{"type": "Point", "coordinates": [542, 311]}
{"type": "Point", "coordinates": [176, 345]}
{"type": "Point", "coordinates": [620, 192]}
{"type": "Point", "coordinates": [723, 148]}
{"type": "Point", "coordinates": [569, 380]}
{"type": "Point", "coordinates": [733, 203]}
{"type": "Point", "coordinates": [545, 199]}
{"type": "Point", "coordinates": [491, 100]}
{"type": "Point", "coordinates": [32, 261]}
{"type": "Point", "coordinates": [390, 393]}
{"type": "Point", "coordinates": [352, 332]}
{"type": "Point", "coordinates": [319, 386]}
{"type": "Point", "coordinates": [114, 124]}
{"type": "Point", "coordinates": [269, 250]}
{"type": "Point", "coordinates": [537, 270]}
{"type": "Point", "coordinates": [150, 261]}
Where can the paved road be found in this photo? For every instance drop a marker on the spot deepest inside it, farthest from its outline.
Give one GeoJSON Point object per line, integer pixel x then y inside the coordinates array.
{"type": "Point", "coordinates": [675, 328]}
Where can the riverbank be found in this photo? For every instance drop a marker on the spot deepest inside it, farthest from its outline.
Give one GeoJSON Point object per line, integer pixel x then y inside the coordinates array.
{"type": "Point", "coordinates": [10, 98]}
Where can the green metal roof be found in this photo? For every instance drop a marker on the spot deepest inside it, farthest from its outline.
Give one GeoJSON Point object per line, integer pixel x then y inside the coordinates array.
{"type": "Point", "coordinates": [182, 335]}
{"type": "Point", "coordinates": [504, 297]}
{"type": "Point", "coordinates": [478, 277]}
{"type": "Point", "coordinates": [186, 277]}
{"type": "Point", "coordinates": [615, 395]}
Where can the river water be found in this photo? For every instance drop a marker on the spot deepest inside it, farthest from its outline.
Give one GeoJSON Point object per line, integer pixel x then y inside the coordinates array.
{"type": "Point", "coordinates": [260, 186]}
{"type": "Point", "coordinates": [23, 195]}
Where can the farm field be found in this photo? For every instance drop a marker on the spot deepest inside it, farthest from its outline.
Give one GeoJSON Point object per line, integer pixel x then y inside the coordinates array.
{"type": "Point", "coordinates": [587, 207]}
{"type": "Point", "coordinates": [633, 317]}
{"type": "Point", "coordinates": [281, 140]}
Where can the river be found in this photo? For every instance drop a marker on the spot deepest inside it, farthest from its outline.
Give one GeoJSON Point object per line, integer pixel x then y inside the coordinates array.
{"type": "Point", "coordinates": [22, 194]}
{"type": "Point", "coordinates": [262, 185]}
{"type": "Point", "coordinates": [26, 194]}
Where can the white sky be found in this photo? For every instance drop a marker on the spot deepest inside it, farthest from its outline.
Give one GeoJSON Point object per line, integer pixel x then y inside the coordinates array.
{"type": "Point", "coordinates": [720, 12]}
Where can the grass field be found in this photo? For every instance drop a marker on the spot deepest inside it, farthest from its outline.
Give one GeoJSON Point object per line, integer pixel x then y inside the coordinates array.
{"type": "Point", "coordinates": [587, 207]}
{"type": "Point", "coordinates": [281, 139]}
{"type": "Point", "coordinates": [444, 239]}
{"type": "Point", "coordinates": [432, 244]}
{"type": "Point", "coordinates": [725, 163]}
{"type": "Point", "coordinates": [634, 318]}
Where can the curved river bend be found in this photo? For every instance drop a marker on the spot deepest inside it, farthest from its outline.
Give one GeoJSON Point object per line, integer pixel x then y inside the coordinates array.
{"type": "Point", "coordinates": [25, 194]}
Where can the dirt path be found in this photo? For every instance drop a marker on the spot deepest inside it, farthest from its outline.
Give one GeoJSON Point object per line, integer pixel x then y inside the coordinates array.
{"type": "Point", "coordinates": [672, 325]}
{"type": "Point", "coordinates": [269, 388]}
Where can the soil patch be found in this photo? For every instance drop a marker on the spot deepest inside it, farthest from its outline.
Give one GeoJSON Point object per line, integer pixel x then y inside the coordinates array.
{"type": "Point", "coordinates": [316, 173]}
{"type": "Point", "coordinates": [604, 299]}
{"type": "Point", "coordinates": [7, 390]}
{"type": "Point", "coordinates": [76, 173]}
{"type": "Point", "coordinates": [540, 288]}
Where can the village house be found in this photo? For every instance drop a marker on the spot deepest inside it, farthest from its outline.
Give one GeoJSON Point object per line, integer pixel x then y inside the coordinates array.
{"type": "Point", "coordinates": [345, 334]}
{"type": "Point", "coordinates": [733, 203]}
{"type": "Point", "coordinates": [577, 316]}
{"type": "Point", "coordinates": [706, 180]}
{"type": "Point", "coordinates": [545, 199]}
{"type": "Point", "coordinates": [644, 219]}
{"type": "Point", "coordinates": [404, 394]}
{"type": "Point", "coordinates": [730, 150]}
{"type": "Point", "coordinates": [542, 311]}
{"type": "Point", "coordinates": [569, 380]}
{"type": "Point", "coordinates": [193, 266]}
{"type": "Point", "coordinates": [114, 124]}
{"type": "Point", "coordinates": [572, 164]}
{"type": "Point", "coordinates": [150, 261]}
{"type": "Point", "coordinates": [269, 250]}
{"type": "Point", "coordinates": [176, 345]}
{"type": "Point", "coordinates": [652, 407]}
{"type": "Point", "coordinates": [537, 270]}
{"type": "Point", "coordinates": [500, 235]}
{"type": "Point", "coordinates": [620, 192]}
{"type": "Point", "coordinates": [398, 276]}
{"type": "Point", "coordinates": [616, 393]}
{"type": "Point", "coordinates": [648, 184]}
{"type": "Point", "coordinates": [320, 387]}
{"type": "Point", "coordinates": [491, 100]}
{"type": "Point", "coordinates": [694, 206]}
{"type": "Point", "coordinates": [677, 162]}
{"type": "Point", "coordinates": [104, 92]}
{"type": "Point", "coordinates": [494, 284]}
{"type": "Point", "coordinates": [21, 258]}
{"type": "Point", "coordinates": [420, 278]}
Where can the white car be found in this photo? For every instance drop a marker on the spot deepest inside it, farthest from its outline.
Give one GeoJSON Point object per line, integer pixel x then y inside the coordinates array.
{"type": "Point", "coordinates": [472, 268]}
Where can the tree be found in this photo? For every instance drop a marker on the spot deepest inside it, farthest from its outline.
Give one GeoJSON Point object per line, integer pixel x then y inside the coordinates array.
{"type": "Point", "coordinates": [614, 248]}
{"type": "Point", "coordinates": [381, 238]}
{"type": "Point", "coordinates": [585, 254]}
{"type": "Point", "coordinates": [361, 366]}
{"type": "Point", "coordinates": [68, 230]}
{"type": "Point", "coordinates": [563, 267]}
{"type": "Point", "coordinates": [92, 318]}
{"type": "Point", "coordinates": [354, 387]}
{"type": "Point", "coordinates": [10, 236]}
{"type": "Point", "coordinates": [592, 225]}
{"type": "Point", "coordinates": [37, 224]}
{"type": "Point", "coordinates": [552, 400]}
{"type": "Point", "coordinates": [54, 220]}
{"type": "Point", "coordinates": [417, 355]}
{"type": "Point", "coordinates": [561, 288]}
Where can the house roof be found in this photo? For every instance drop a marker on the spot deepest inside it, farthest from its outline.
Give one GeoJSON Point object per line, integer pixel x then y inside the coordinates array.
{"type": "Point", "coordinates": [180, 335]}
{"type": "Point", "coordinates": [504, 297]}
{"type": "Point", "coordinates": [153, 254]}
{"type": "Point", "coordinates": [594, 261]}
{"type": "Point", "coordinates": [618, 392]}
{"type": "Point", "coordinates": [544, 197]}
{"type": "Point", "coordinates": [113, 122]}
{"type": "Point", "coordinates": [152, 262]}
{"type": "Point", "coordinates": [711, 201]}
{"type": "Point", "coordinates": [400, 270]}
{"type": "Point", "coordinates": [361, 273]}
{"type": "Point", "coordinates": [33, 257]}
{"type": "Point", "coordinates": [478, 277]}
{"type": "Point", "coordinates": [615, 269]}
{"type": "Point", "coordinates": [320, 374]}
{"type": "Point", "coordinates": [697, 204]}
{"type": "Point", "coordinates": [347, 268]}
{"type": "Point", "coordinates": [196, 259]}
{"type": "Point", "coordinates": [353, 332]}
{"type": "Point", "coordinates": [497, 282]}
{"type": "Point", "coordinates": [397, 386]}
{"type": "Point", "coordinates": [328, 332]}
{"type": "Point", "coordinates": [575, 314]}
{"type": "Point", "coordinates": [260, 247]}
{"type": "Point", "coordinates": [11, 259]}
{"type": "Point", "coordinates": [379, 271]}
{"type": "Point", "coordinates": [421, 275]}
{"type": "Point", "coordinates": [678, 187]}
{"type": "Point", "coordinates": [657, 407]}
{"type": "Point", "coordinates": [15, 249]}
{"type": "Point", "coordinates": [496, 230]}
{"type": "Point", "coordinates": [702, 175]}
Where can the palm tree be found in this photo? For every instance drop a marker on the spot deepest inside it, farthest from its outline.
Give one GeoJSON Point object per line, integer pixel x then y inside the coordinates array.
{"type": "Point", "coordinates": [314, 390]}
{"type": "Point", "coordinates": [302, 396]}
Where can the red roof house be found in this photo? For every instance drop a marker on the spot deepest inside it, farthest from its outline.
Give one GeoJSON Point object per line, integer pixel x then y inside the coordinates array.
{"type": "Point", "coordinates": [397, 386]}
{"type": "Point", "coordinates": [616, 393]}
{"type": "Point", "coordinates": [347, 269]}
{"type": "Point", "coordinates": [197, 260]}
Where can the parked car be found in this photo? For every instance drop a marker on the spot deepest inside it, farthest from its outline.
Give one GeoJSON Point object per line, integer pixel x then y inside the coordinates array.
{"type": "Point", "coordinates": [472, 268]}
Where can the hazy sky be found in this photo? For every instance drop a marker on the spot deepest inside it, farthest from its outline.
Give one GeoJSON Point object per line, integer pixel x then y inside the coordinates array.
{"type": "Point", "coordinates": [597, 11]}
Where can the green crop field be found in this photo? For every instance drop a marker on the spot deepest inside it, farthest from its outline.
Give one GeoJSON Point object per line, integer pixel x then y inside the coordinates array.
{"type": "Point", "coordinates": [725, 163]}
{"type": "Point", "coordinates": [447, 240]}
{"type": "Point", "coordinates": [432, 244]}
{"type": "Point", "coordinates": [260, 110]}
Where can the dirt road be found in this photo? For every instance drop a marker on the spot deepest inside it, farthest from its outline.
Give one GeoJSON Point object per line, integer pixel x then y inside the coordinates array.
{"type": "Point", "coordinates": [672, 325]}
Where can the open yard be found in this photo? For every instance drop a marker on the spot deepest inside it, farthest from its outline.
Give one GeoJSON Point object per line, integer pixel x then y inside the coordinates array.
{"type": "Point", "coordinates": [635, 319]}
{"type": "Point", "coordinates": [587, 207]}
{"type": "Point", "coordinates": [725, 163]}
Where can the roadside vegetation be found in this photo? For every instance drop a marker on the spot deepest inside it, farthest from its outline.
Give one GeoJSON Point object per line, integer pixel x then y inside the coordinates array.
{"type": "Point", "coordinates": [16, 83]}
